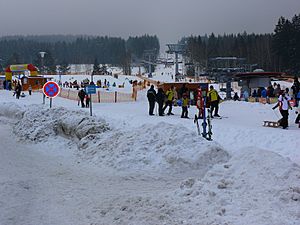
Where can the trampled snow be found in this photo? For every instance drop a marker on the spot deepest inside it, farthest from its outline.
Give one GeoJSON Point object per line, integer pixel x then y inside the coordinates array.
{"type": "Point", "coordinates": [121, 166]}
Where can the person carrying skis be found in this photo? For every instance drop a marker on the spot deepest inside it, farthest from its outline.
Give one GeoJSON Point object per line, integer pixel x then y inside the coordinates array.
{"type": "Point", "coordinates": [214, 100]}
{"type": "Point", "coordinates": [160, 98]}
{"type": "Point", "coordinates": [200, 103]}
{"type": "Point", "coordinates": [284, 106]}
{"type": "Point", "coordinates": [81, 95]}
{"type": "Point", "coordinates": [185, 105]}
{"type": "Point", "coordinates": [169, 102]}
{"type": "Point", "coordinates": [151, 95]}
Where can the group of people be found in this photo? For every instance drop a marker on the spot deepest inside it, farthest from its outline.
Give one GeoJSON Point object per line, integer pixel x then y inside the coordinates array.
{"type": "Point", "coordinates": [167, 99]}
{"type": "Point", "coordinates": [84, 97]}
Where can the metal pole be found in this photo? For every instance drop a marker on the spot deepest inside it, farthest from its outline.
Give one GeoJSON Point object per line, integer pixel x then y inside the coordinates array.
{"type": "Point", "coordinates": [176, 63]}
{"type": "Point", "coordinates": [149, 67]}
{"type": "Point", "coordinates": [50, 103]}
{"type": "Point", "coordinates": [228, 88]}
{"type": "Point", "coordinates": [91, 112]}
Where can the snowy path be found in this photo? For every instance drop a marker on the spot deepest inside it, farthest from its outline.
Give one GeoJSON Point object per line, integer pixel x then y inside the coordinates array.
{"type": "Point", "coordinates": [39, 188]}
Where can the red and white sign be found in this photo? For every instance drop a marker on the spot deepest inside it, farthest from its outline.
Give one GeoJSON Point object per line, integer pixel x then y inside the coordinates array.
{"type": "Point", "coordinates": [51, 89]}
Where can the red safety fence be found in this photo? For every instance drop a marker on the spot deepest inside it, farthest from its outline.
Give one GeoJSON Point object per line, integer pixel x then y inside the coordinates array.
{"type": "Point", "coordinates": [272, 100]}
{"type": "Point", "coordinates": [100, 96]}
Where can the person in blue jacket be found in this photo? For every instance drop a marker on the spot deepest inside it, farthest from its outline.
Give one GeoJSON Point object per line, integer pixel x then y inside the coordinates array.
{"type": "Point", "coordinates": [263, 92]}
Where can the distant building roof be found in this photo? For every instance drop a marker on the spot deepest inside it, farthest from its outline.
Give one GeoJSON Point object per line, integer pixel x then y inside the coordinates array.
{"type": "Point", "coordinates": [262, 74]}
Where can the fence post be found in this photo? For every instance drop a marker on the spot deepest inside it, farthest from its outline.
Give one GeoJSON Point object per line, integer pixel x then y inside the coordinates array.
{"type": "Point", "coordinates": [116, 96]}
{"type": "Point", "coordinates": [99, 96]}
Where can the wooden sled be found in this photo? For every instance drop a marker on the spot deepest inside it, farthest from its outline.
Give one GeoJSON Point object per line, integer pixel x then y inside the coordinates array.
{"type": "Point", "coordinates": [271, 124]}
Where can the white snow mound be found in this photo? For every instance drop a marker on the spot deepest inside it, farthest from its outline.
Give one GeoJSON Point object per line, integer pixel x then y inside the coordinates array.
{"type": "Point", "coordinates": [157, 147]}
{"type": "Point", "coordinates": [151, 146]}
{"type": "Point", "coordinates": [38, 124]}
{"type": "Point", "coordinates": [254, 187]}
{"type": "Point", "coordinates": [11, 110]}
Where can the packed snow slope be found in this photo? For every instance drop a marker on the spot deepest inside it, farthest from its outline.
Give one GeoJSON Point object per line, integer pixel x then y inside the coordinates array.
{"type": "Point", "coordinates": [121, 166]}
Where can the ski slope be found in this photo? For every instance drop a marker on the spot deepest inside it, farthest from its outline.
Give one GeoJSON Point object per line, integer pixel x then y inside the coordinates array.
{"type": "Point", "coordinates": [121, 166]}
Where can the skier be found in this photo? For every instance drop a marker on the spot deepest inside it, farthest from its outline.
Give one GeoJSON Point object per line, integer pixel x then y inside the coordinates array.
{"type": "Point", "coordinates": [81, 95]}
{"type": "Point", "coordinates": [200, 103]}
{"type": "Point", "coordinates": [18, 90]}
{"type": "Point", "coordinates": [160, 98]}
{"type": "Point", "coordinates": [296, 90]}
{"type": "Point", "coordinates": [214, 100]}
{"type": "Point", "coordinates": [151, 95]}
{"type": "Point", "coordinates": [170, 98]}
{"type": "Point", "coordinates": [284, 106]}
{"type": "Point", "coordinates": [236, 97]}
{"type": "Point", "coordinates": [29, 89]}
{"type": "Point", "coordinates": [185, 105]}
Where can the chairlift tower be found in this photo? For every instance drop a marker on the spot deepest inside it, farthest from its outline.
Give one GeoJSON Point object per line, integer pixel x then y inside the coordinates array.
{"type": "Point", "coordinates": [148, 56]}
{"type": "Point", "coordinates": [176, 49]}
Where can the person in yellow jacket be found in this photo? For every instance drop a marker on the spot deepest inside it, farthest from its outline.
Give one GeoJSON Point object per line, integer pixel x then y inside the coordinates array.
{"type": "Point", "coordinates": [185, 105]}
{"type": "Point", "coordinates": [169, 102]}
{"type": "Point", "coordinates": [214, 100]}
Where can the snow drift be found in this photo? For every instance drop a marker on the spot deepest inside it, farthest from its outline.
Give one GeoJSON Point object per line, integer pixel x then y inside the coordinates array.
{"type": "Point", "coordinates": [255, 187]}
{"type": "Point", "coordinates": [157, 147]}
{"type": "Point", "coordinates": [162, 146]}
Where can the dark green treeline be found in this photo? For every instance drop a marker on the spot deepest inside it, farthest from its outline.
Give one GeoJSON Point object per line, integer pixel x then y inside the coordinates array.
{"type": "Point", "coordinates": [72, 49]}
{"type": "Point", "coordinates": [279, 51]}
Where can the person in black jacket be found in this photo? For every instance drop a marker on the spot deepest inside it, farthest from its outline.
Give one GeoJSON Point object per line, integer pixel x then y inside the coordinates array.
{"type": "Point", "coordinates": [81, 95]}
{"type": "Point", "coordinates": [151, 95]}
{"type": "Point", "coordinates": [183, 90]}
{"type": "Point", "coordinates": [18, 90]}
{"type": "Point", "coordinates": [160, 98]}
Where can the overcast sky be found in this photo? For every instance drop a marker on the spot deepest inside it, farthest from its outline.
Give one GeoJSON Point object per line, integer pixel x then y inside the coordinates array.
{"type": "Point", "coordinates": [169, 19]}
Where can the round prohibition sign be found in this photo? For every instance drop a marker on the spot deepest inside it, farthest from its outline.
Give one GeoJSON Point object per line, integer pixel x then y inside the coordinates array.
{"type": "Point", "coordinates": [51, 89]}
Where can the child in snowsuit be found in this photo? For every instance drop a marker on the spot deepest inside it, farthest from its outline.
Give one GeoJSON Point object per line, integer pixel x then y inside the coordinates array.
{"type": "Point", "coordinates": [185, 105]}
{"type": "Point", "coordinates": [29, 89]}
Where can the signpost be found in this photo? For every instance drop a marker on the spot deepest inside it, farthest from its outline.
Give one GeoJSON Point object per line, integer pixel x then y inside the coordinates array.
{"type": "Point", "coordinates": [51, 89]}
{"type": "Point", "coordinates": [90, 89]}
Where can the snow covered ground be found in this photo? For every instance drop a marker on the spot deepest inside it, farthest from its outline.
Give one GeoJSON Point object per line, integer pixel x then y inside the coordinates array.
{"type": "Point", "coordinates": [121, 166]}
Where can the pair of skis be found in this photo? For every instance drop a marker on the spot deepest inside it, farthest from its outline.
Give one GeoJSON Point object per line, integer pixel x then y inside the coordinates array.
{"type": "Point", "coordinates": [206, 125]}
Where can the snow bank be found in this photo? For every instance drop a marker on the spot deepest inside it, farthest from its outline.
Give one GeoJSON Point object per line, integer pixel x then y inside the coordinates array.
{"type": "Point", "coordinates": [37, 123]}
{"type": "Point", "coordinates": [162, 146]}
{"type": "Point", "coordinates": [11, 110]}
{"type": "Point", "coordinates": [157, 147]}
{"type": "Point", "coordinates": [254, 187]}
